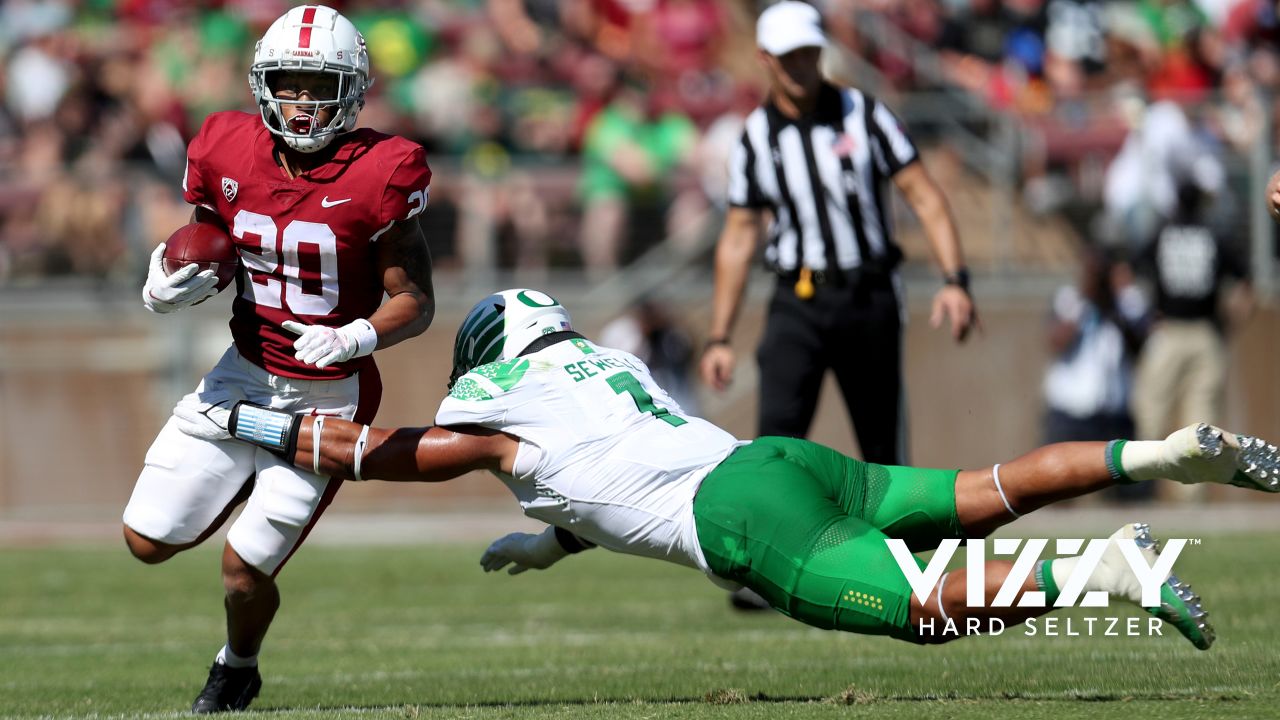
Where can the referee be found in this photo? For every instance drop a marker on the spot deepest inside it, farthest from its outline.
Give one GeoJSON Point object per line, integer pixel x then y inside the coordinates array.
{"type": "Point", "coordinates": [817, 157]}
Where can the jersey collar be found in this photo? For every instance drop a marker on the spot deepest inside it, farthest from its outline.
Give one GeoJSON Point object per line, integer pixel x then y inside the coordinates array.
{"type": "Point", "coordinates": [829, 110]}
{"type": "Point", "coordinates": [548, 340]}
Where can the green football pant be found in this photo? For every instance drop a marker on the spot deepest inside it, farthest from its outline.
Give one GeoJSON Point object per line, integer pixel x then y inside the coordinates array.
{"type": "Point", "coordinates": [805, 526]}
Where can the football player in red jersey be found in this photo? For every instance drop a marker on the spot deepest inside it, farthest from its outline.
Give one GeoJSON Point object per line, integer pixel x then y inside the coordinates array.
{"type": "Point", "coordinates": [323, 218]}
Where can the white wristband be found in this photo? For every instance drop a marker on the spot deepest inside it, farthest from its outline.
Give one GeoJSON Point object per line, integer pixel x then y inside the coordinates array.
{"type": "Point", "coordinates": [365, 336]}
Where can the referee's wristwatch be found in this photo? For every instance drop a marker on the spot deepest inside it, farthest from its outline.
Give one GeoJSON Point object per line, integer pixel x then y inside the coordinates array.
{"type": "Point", "coordinates": [715, 341]}
{"type": "Point", "coordinates": [959, 278]}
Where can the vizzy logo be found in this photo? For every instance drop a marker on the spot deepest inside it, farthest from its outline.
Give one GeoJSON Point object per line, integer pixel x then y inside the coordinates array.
{"type": "Point", "coordinates": [1150, 577]}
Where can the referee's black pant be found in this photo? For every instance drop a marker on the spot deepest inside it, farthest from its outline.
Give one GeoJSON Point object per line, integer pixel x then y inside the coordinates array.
{"type": "Point", "coordinates": [852, 325]}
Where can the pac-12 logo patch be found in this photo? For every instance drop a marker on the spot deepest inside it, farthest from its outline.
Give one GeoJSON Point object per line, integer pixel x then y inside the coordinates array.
{"type": "Point", "coordinates": [230, 188]}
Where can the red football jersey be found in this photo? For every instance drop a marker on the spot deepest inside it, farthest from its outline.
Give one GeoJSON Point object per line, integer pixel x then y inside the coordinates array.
{"type": "Point", "coordinates": [306, 245]}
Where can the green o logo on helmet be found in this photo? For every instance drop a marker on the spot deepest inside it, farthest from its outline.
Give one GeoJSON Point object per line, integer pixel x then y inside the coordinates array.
{"type": "Point", "coordinates": [524, 297]}
{"type": "Point", "coordinates": [504, 323]}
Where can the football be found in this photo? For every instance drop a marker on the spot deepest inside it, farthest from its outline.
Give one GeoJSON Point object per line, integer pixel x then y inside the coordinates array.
{"type": "Point", "coordinates": [205, 245]}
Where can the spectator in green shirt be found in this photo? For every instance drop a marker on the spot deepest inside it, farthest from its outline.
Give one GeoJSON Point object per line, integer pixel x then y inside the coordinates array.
{"type": "Point", "coordinates": [631, 160]}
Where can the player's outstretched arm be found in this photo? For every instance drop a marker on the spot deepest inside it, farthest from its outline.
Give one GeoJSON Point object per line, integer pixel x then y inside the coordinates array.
{"type": "Point", "coordinates": [428, 454]}
{"type": "Point", "coordinates": [340, 448]}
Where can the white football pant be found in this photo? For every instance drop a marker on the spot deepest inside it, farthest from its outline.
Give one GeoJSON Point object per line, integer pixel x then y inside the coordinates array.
{"type": "Point", "coordinates": [187, 483]}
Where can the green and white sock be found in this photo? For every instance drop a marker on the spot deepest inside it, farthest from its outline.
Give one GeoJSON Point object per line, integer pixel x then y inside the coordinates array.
{"type": "Point", "coordinates": [1131, 461]}
{"type": "Point", "coordinates": [1046, 581]}
{"type": "Point", "coordinates": [1140, 460]}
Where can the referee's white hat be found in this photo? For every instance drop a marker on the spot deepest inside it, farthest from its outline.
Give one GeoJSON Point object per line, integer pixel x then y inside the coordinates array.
{"type": "Point", "coordinates": [789, 25]}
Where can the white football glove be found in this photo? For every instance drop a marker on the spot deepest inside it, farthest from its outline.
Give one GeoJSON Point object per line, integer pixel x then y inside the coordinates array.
{"type": "Point", "coordinates": [324, 346]}
{"type": "Point", "coordinates": [186, 287]}
{"type": "Point", "coordinates": [523, 551]}
{"type": "Point", "coordinates": [206, 414]}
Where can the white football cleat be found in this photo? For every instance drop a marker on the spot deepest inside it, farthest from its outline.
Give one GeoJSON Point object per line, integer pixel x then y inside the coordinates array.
{"type": "Point", "coordinates": [1179, 605]}
{"type": "Point", "coordinates": [1203, 453]}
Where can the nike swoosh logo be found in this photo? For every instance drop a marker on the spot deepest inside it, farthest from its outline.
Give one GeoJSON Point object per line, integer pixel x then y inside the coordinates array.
{"type": "Point", "coordinates": [327, 203]}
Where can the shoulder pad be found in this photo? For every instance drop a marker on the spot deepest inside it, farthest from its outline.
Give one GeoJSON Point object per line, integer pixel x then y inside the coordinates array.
{"type": "Point", "coordinates": [489, 381]}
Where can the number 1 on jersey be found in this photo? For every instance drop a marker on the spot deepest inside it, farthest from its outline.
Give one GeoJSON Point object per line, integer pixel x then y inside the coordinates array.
{"type": "Point", "coordinates": [625, 382]}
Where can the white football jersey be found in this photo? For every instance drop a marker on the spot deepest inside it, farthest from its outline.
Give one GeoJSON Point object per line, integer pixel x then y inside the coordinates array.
{"type": "Point", "coordinates": [604, 452]}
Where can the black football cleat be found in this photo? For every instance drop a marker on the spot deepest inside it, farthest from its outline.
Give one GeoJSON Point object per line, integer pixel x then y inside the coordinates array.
{"type": "Point", "coordinates": [228, 689]}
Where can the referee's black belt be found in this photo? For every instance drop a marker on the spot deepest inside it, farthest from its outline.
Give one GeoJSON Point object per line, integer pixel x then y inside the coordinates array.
{"type": "Point", "coordinates": [857, 277]}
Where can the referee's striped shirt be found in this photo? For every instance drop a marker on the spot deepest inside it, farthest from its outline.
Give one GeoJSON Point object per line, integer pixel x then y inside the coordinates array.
{"type": "Point", "coordinates": [824, 177]}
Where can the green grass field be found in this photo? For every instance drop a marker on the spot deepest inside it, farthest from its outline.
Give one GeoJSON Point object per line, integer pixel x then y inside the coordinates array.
{"type": "Point", "coordinates": [415, 632]}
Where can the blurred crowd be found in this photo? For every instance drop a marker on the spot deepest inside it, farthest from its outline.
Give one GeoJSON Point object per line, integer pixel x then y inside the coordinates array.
{"type": "Point", "coordinates": [1088, 77]}
{"type": "Point", "coordinates": [534, 114]}
{"type": "Point", "coordinates": [578, 132]}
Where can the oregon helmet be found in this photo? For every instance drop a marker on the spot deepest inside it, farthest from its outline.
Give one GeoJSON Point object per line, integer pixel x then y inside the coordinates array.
{"type": "Point", "coordinates": [502, 325]}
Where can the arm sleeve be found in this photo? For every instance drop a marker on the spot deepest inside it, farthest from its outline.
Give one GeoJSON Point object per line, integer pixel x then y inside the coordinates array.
{"type": "Point", "coordinates": [744, 186]}
{"type": "Point", "coordinates": [408, 189]}
{"type": "Point", "coordinates": [895, 150]}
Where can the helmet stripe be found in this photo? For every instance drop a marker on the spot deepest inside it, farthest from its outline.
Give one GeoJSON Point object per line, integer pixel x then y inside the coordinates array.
{"type": "Point", "coordinates": [492, 353]}
{"type": "Point", "coordinates": [489, 338]}
{"type": "Point", "coordinates": [304, 35]}
{"type": "Point", "coordinates": [469, 346]}
{"type": "Point", "coordinates": [477, 320]}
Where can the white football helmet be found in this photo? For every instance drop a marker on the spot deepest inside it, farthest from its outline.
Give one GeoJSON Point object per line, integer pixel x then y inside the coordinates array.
{"type": "Point", "coordinates": [502, 325]}
{"type": "Point", "coordinates": [311, 38]}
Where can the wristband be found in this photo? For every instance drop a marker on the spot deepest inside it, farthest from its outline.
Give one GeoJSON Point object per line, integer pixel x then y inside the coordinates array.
{"type": "Point", "coordinates": [273, 430]}
{"type": "Point", "coordinates": [959, 278]}
{"type": "Point", "coordinates": [712, 342]}
{"type": "Point", "coordinates": [365, 336]}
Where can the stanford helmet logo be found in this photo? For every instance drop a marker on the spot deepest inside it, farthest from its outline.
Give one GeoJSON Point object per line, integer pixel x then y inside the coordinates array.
{"type": "Point", "coordinates": [230, 188]}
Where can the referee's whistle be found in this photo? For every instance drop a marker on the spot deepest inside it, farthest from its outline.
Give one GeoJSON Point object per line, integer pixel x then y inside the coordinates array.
{"type": "Point", "coordinates": [804, 285]}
